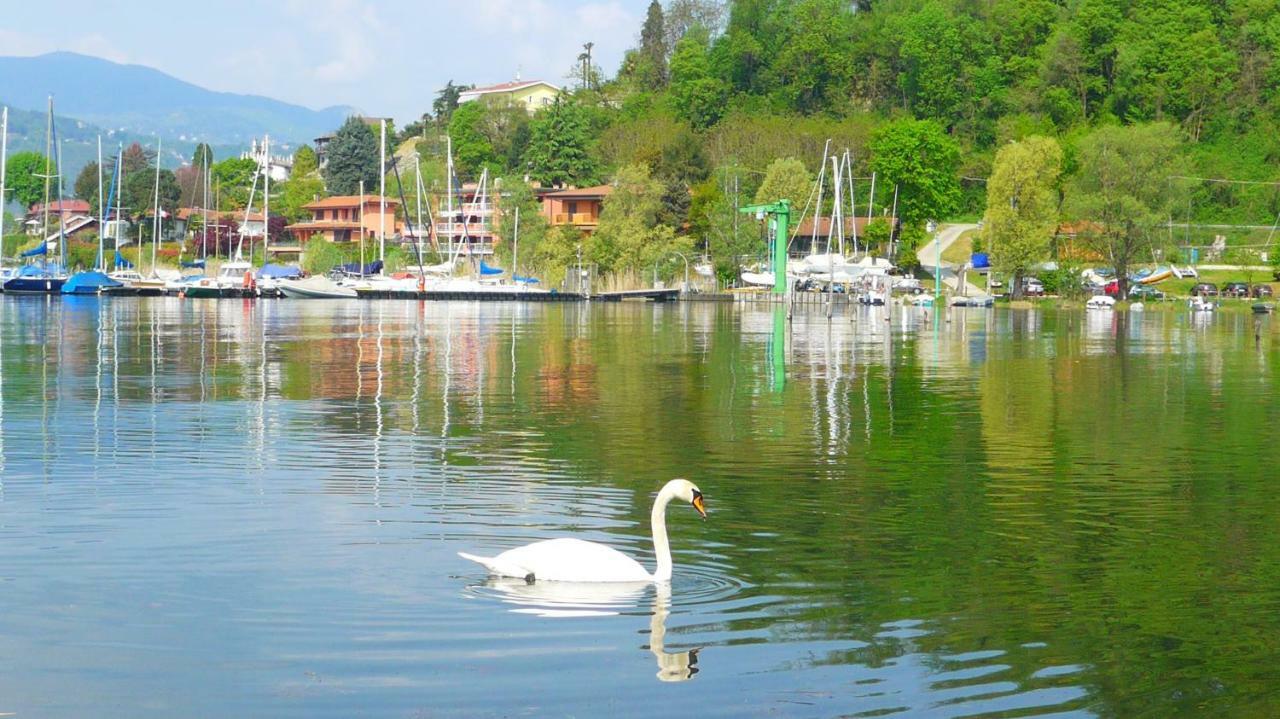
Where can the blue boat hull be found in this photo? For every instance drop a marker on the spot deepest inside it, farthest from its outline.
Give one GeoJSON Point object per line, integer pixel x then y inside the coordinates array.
{"type": "Point", "coordinates": [34, 285]}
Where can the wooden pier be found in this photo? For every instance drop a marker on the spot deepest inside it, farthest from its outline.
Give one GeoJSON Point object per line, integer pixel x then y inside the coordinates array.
{"type": "Point", "coordinates": [471, 296]}
{"type": "Point", "coordinates": [662, 295]}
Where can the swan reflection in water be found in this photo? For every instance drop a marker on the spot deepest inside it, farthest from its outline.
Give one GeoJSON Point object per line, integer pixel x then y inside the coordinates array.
{"type": "Point", "coordinates": [562, 600]}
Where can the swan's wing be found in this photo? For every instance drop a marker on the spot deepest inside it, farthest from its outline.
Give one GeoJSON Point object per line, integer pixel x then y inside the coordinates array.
{"type": "Point", "coordinates": [573, 560]}
{"type": "Point", "coordinates": [500, 567]}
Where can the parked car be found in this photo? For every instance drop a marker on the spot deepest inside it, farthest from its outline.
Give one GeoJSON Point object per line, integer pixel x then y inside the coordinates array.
{"type": "Point", "coordinates": [1204, 289]}
{"type": "Point", "coordinates": [1145, 292]}
{"type": "Point", "coordinates": [1111, 289]}
{"type": "Point", "coordinates": [1235, 289]}
{"type": "Point", "coordinates": [1260, 291]}
{"type": "Point", "coordinates": [1032, 287]}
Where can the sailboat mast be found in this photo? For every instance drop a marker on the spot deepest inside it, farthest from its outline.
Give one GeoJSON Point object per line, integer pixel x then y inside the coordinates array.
{"type": "Point", "coordinates": [4, 157]}
{"type": "Point", "coordinates": [155, 221]}
{"type": "Point", "coordinates": [204, 202]}
{"type": "Point", "coordinates": [515, 248]}
{"type": "Point", "coordinates": [62, 225]}
{"type": "Point", "coordinates": [102, 221]}
{"type": "Point", "coordinates": [449, 190]}
{"type": "Point", "coordinates": [382, 194]}
{"type": "Point", "coordinates": [417, 193]}
{"type": "Point", "coordinates": [266, 196]}
{"type": "Point", "coordinates": [362, 228]}
{"type": "Point", "coordinates": [48, 170]}
{"type": "Point", "coordinates": [120, 199]}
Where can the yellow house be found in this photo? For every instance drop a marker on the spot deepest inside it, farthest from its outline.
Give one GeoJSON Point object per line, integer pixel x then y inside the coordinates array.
{"type": "Point", "coordinates": [532, 95]}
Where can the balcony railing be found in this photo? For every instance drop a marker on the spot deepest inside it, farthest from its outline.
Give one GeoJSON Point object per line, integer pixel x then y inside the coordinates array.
{"type": "Point", "coordinates": [577, 218]}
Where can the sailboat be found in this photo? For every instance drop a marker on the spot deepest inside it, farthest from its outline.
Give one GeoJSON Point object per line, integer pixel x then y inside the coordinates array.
{"type": "Point", "coordinates": [235, 276]}
{"type": "Point", "coordinates": [44, 277]}
{"type": "Point", "coordinates": [5, 272]}
{"type": "Point", "coordinates": [95, 281]}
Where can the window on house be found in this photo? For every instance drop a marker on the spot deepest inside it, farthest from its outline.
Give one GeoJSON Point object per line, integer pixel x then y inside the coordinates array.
{"type": "Point", "coordinates": [573, 207]}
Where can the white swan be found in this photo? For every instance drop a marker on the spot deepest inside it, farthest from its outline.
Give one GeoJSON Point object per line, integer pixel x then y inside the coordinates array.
{"type": "Point", "coordinates": [575, 560]}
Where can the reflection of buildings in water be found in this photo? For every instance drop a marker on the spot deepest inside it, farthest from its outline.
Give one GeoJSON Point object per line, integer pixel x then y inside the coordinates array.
{"type": "Point", "coordinates": [568, 377]}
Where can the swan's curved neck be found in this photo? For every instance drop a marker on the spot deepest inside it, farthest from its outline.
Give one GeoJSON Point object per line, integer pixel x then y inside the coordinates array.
{"type": "Point", "coordinates": [661, 547]}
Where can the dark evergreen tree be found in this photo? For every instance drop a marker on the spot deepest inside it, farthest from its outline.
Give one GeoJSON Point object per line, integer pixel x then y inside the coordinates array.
{"type": "Point", "coordinates": [653, 47]}
{"type": "Point", "coordinates": [353, 156]}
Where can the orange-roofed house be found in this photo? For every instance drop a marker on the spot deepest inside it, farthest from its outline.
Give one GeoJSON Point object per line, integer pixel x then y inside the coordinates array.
{"type": "Point", "coordinates": [337, 219]}
{"type": "Point", "coordinates": [576, 208]}
{"type": "Point", "coordinates": [814, 237]}
{"type": "Point", "coordinates": [532, 95]}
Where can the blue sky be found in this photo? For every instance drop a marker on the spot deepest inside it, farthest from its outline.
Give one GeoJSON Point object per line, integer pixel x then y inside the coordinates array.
{"type": "Point", "coordinates": [380, 56]}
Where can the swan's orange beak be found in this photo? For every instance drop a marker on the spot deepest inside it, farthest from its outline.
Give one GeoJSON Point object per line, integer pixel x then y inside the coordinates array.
{"type": "Point", "coordinates": [698, 505]}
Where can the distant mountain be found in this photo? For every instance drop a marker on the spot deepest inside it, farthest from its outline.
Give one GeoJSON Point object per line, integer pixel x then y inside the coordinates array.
{"type": "Point", "coordinates": [80, 141]}
{"type": "Point", "coordinates": [144, 101]}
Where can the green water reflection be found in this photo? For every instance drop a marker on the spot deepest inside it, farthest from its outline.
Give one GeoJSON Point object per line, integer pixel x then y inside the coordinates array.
{"type": "Point", "coordinates": [1091, 498]}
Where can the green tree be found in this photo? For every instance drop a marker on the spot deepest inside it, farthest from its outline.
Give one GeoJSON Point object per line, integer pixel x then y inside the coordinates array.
{"type": "Point", "coordinates": [786, 179]}
{"type": "Point", "coordinates": [86, 186]}
{"type": "Point", "coordinates": [533, 226]}
{"type": "Point", "coordinates": [472, 149]}
{"type": "Point", "coordinates": [653, 47]}
{"type": "Point", "coordinates": [810, 71]}
{"type": "Point", "coordinates": [203, 156]}
{"type": "Point", "coordinates": [352, 157]}
{"type": "Point", "coordinates": [629, 237]}
{"type": "Point", "coordinates": [1022, 206]}
{"type": "Point", "coordinates": [697, 96]}
{"type": "Point", "coordinates": [918, 158]}
{"type": "Point", "coordinates": [233, 178]}
{"type": "Point", "coordinates": [305, 162]}
{"type": "Point", "coordinates": [139, 193]}
{"type": "Point", "coordinates": [447, 101]}
{"type": "Point", "coordinates": [23, 177]}
{"type": "Point", "coordinates": [1121, 192]}
{"type": "Point", "coordinates": [559, 151]}
{"type": "Point", "coordinates": [294, 194]}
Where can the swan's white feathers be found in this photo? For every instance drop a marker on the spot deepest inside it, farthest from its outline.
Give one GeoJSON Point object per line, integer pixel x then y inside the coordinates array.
{"type": "Point", "coordinates": [567, 560]}
{"type": "Point", "coordinates": [575, 560]}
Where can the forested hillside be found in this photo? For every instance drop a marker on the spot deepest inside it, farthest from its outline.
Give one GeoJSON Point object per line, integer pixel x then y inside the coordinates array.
{"type": "Point", "coordinates": [714, 95]}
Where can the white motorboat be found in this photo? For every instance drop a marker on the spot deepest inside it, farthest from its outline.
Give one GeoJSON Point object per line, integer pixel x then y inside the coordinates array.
{"type": "Point", "coordinates": [315, 288]}
{"type": "Point", "coordinates": [1100, 302]}
{"type": "Point", "coordinates": [1200, 304]}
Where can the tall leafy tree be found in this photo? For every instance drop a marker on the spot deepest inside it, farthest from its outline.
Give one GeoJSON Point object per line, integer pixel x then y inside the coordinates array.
{"type": "Point", "coordinates": [697, 95]}
{"type": "Point", "coordinates": [305, 162]}
{"type": "Point", "coordinates": [629, 236]}
{"type": "Point", "coordinates": [1121, 193]}
{"type": "Point", "coordinates": [921, 160]}
{"type": "Point", "coordinates": [786, 179]}
{"type": "Point", "coordinates": [202, 156]}
{"type": "Point", "coordinates": [810, 71]}
{"type": "Point", "coordinates": [447, 101]}
{"type": "Point", "coordinates": [352, 157]}
{"type": "Point", "coordinates": [86, 186]}
{"type": "Point", "coordinates": [23, 179]}
{"type": "Point", "coordinates": [653, 47]}
{"type": "Point", "coordinates": [472, 148]}
{"type": "Point", "coordinates": [1022, 206]}
{"type": "Point", "coordinates": [559, 151]}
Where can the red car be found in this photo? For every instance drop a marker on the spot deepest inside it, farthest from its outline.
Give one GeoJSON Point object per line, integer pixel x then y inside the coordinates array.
{"type": "Point", "coordinates": [1112, 288]}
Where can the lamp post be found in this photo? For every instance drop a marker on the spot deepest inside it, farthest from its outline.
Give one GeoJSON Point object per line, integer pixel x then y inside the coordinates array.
{"type": "Point", "coordinates": [932, 227]}
{"type": "Point", "coordinates": [679, 254]}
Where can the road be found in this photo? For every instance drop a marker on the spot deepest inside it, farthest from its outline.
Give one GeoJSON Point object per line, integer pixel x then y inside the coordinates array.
{"type": "Point", "coordinates": [928, 256]}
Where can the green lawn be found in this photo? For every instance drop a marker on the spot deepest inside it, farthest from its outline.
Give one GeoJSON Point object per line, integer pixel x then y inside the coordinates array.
{"type": "Point", "coordinates": [961, 249]}
{"type": "Point", "coordinates": [1182, 287]}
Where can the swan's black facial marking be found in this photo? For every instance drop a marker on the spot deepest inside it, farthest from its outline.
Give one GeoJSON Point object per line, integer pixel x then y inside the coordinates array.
{"type": "Point", "coordinates": [698, 504]}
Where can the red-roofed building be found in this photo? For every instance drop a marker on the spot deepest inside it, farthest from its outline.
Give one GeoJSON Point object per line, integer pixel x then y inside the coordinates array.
{"type": "Point", "coordinates": [338, 219]}
{"type": "Point", "coordinates": [577, 208]}
{"type": "Point", "coordinates": [532, 95]}
{"type": "Point", "coordinates": [812, 237]}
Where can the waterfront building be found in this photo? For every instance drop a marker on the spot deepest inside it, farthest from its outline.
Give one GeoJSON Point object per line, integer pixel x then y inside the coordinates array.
{"type": "Point", "coordinates": [338, 219]}
{"type": "Point", "coordinates": [578, 208]}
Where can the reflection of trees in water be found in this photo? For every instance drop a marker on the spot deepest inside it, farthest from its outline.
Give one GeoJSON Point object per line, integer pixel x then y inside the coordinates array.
{"type": "Point", "coordinates": [1103, 493]}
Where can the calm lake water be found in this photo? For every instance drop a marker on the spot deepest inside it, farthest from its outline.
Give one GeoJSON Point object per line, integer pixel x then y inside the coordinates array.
{"type": "Point", "coordinates": [227, 508]}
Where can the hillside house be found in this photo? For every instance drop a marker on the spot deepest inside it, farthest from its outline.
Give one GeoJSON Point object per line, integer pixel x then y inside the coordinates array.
{"type": "Point", "coordinates": [338, 219]}
{"type": "Point", "coordinates": [532, 95]}
{"type": "Point", "coordinates": [575, 208]}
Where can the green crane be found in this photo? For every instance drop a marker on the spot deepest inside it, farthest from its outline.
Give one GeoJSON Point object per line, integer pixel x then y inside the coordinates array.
{"type": "Point", "coordinates": [779, 214]}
